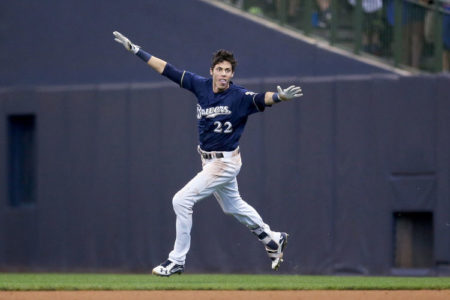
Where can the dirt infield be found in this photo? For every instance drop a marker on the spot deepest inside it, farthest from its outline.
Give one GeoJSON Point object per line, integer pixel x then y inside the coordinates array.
{"type": "Point", "coordinates": [226, 295]}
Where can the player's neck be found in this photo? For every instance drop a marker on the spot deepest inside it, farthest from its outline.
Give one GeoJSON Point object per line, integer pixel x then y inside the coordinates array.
{"type": "Point", "coordinates": [218, 90]}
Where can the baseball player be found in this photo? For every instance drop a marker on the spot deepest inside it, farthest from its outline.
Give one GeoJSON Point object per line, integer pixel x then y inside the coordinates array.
{"type": "Point", "coordinates": [222, 112]}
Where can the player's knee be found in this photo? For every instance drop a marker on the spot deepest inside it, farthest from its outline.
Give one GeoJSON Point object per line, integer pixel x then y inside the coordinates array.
{"type": "Point", "coordinates": [177, 201]}
{"type": "Point", "coordinates": [180, 203]}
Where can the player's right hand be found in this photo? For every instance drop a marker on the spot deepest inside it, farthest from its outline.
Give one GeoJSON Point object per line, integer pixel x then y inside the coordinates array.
{"type": "Point", "coordinates": [120, 38]}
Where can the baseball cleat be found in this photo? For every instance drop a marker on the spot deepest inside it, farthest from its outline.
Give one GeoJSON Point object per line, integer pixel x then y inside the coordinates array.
{"type": "Point", "coordinates": [276, 253]}
{"type": "Point", "coordinates": [167, 269]}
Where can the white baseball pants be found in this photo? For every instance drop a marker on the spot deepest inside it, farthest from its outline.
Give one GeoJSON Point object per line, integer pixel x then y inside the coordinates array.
{"type": "Point", "coordinates": [218, 177]}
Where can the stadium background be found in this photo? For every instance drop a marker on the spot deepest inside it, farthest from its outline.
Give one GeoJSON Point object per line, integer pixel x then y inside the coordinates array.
{"type": "Point", "coordinates": [357, 171]}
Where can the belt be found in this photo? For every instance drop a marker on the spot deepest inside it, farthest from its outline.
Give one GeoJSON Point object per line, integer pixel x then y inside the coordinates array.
{"type": "Point", "coordinates": [215, 154]}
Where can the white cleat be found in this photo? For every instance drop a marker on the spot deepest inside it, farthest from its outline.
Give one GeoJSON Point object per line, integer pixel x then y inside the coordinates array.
{"type": "Point", "coordinates": [167, 269]}
{"type": "Point", "coordinates": [276, 255]}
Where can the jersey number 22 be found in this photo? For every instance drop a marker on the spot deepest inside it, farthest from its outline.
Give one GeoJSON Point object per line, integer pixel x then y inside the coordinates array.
{"type": "Point", "coordinates": [219, 129]}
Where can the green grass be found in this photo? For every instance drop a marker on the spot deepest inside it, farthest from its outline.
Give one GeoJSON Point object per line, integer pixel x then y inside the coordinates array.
{"type": "Point", "coordinates": [16, 281]}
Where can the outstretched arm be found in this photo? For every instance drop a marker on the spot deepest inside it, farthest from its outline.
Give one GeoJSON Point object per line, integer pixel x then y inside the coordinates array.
{"type": "Point", "coordinates": [156, 63]}
{"type": "Point", "coordinates": [159, 65]}
{"type": "Point", "coordinates": [283, 95]}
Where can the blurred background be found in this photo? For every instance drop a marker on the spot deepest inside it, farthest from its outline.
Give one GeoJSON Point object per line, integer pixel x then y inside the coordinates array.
{"type": "Point", "coordinates": [413, 34]}
{"type": "Point", "coordinates": [94, 144]}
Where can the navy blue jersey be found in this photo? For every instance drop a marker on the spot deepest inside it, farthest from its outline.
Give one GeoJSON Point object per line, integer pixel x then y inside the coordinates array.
{"type": "Point", "coordinates": [221, 116]}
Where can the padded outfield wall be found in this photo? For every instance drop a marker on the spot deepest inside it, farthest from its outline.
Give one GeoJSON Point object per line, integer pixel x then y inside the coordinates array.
{"type": "Point", "coordinates": [336, 169]}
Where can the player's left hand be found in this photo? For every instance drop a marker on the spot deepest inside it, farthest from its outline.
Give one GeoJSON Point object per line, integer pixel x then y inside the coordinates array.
{"type": "Point", "coordinates": [120, 38]}
{"type": "Point", "coordinates": [289, 93]}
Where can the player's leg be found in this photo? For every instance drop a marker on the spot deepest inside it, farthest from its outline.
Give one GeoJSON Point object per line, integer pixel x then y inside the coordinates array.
{"type": "Point", "coordinates": [201, 186]}
{"type": "Point", "coordinates": [231, 203]}
{"type": "Point", "coordinates": [214, 174]}
{"type": "Point", "coordinates": [229, 199]}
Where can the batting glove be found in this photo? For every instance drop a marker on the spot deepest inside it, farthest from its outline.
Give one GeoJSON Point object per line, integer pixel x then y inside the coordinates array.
{"type": "Point", "coordinates": [289, 93]}
{"type": "Point", "coordinates": [126, 42]}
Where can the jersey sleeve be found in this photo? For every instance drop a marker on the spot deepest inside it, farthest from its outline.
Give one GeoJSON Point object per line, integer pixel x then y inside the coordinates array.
{"type": "Point", "coordinates": [253, 102]}
{"type": "Point", "coordinates": [185, 79]}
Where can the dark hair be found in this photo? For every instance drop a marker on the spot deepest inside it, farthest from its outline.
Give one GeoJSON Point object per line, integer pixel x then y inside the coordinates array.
{"type": "Point", "coordinates": [221, 56]}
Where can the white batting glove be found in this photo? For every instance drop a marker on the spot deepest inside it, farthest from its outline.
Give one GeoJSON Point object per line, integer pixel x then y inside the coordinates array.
{"type": "Point", "coordinates": [289, 93]}
{"type": "Point", "coordinates": [125, 42]}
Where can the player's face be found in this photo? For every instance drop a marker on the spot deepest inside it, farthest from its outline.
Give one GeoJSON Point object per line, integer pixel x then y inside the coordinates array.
{"type": "Point", "coordinates": [221, 76]}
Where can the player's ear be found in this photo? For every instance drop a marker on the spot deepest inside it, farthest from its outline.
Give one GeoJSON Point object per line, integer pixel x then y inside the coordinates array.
{"type": "Point", "coordinates": [232, 74]}
{"type": "Point", "coordinates": [210, 71]}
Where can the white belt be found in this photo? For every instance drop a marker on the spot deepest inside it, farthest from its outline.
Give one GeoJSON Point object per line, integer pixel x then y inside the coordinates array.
{"type": "Point", "coordinates": [216, 154]}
